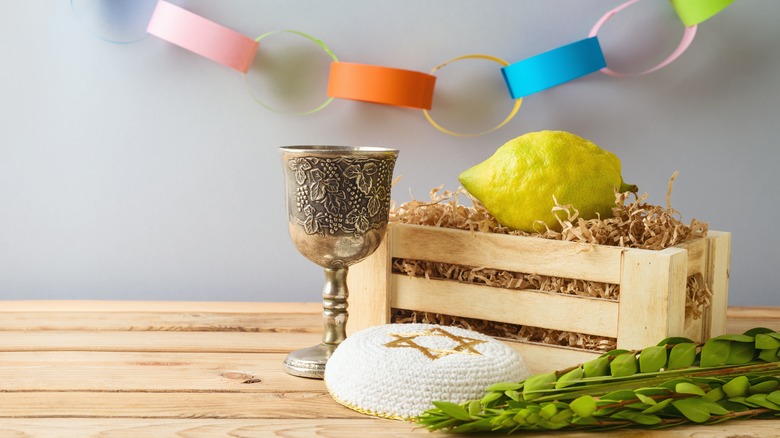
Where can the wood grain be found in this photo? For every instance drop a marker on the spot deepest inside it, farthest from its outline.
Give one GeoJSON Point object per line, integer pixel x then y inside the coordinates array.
{"type": "Point", "coordinates": [649, 310]}
{"type": "Point", "coordinates": [719, 260]}
{"type": "Point", "coordinates": [169, 307]}
{"type": "Point", "coordinates": [538, 309]}
{"type": "Point", "coordinates": [158, 321]}
{"type": "Point", "coordinates": [77, 371]}
{"type": "Point", "coordinates": [157, 341]}
{"type": "Point", "coordinates": [156, 372]}
{"type": "Point", "coordinates": [369, 290]}
{"type": "Point", "coordinates": [364, 427]}
{"type": "Point", "coordinates": [512, 253]}
{"type": "Point", "coordinates": [292, 405]}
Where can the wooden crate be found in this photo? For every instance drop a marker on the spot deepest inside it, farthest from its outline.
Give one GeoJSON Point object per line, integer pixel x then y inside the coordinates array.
{"type": "Point", "coordinates": [652, 287]}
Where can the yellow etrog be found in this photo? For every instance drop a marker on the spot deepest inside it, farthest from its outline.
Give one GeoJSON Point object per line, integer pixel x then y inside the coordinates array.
{"type": "Point", "coordinates": [517, 184]}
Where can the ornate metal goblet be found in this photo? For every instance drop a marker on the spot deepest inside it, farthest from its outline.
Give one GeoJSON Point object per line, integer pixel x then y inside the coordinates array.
{"type": "Point", "coordinates": [338, 198]}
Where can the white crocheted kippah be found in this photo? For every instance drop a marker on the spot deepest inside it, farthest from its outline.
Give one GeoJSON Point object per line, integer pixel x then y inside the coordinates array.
{"type": "Point", "coordinates": [398, 370]}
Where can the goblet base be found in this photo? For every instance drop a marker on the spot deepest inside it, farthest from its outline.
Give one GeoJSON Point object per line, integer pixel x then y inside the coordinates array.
{"type": "Point", "coordinates": [309, 362]}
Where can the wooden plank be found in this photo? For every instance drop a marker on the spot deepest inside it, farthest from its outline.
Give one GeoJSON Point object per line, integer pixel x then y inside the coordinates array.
{"type": "Point", "coordinates": [755, 314]}
{"type": "Point", "coordinates": [513, 253]}
{"type": "Point", "coordinates": [544, 358]}
{"type": "Point", "coordinates": [742, 319]}
{"type": "Point", "coordinates": [158, 306]}
{"type": "Point", "coordinates": [538, 309]}
{"type": "Point", "coordinates": [694, 328]}
{"type": "Point", "coordinates": [291, 405]}
{"type": "Point", "coordinates": [718, 260]}
{"type": "Point", "coordinates": [697, 256]}
{"type": "Point", "coordinates": [332, 428]}
{"type": "Point", "coordinates": [181, 342]}
{"type": "Point", "coordinates": [208, 428]}
{"type": "Point", "coordinates": [369, 290]}
{"type": "Point", "coordinates": [146, 321]}
{"type": "Point", "coordinates": [154, 372]}
{"type": "Point", "coordinates": [652, 297]}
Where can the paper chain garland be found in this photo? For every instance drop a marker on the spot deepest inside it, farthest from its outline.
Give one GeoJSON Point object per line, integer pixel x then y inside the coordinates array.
{"type": "Point", "coordinates": [393, 86]}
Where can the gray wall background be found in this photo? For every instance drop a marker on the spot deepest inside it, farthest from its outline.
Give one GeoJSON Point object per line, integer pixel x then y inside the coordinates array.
{"type": "Point", "coordinates": [144, 171]}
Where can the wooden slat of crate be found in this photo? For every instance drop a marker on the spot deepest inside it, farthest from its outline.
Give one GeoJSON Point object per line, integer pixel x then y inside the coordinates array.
{"type": "Point", "coordinates": [697, 256]}
{"type": "Point", "coordinates": [527, 255]}
{"type": "Point", "coordinates": [370, 290]}
{"type": "Point", "coordinates": [524, 307]}
{"type": "Point", "coordinates": [652, 296]}
{"type": "Point", "coordinates": [545, 358]}
{"type": "Point", "coordinates": [718, 262]}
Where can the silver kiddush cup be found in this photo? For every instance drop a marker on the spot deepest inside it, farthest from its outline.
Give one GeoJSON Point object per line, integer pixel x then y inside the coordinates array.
{"type": "Point", "coordinates": [338, 199]}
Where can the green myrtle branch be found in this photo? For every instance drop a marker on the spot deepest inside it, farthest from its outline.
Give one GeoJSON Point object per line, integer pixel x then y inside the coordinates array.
{"type": "Point", "coordinates": [675, 382]}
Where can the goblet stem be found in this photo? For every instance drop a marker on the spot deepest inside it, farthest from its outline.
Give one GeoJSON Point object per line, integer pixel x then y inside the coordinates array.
{"type": "Point", "coordinates": [334, 303]}
{"type": "Point", "coordinates": [310, 362]}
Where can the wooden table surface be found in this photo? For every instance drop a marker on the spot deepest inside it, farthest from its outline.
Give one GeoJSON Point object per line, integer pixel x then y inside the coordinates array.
{"type": "Point", "coordinates": [136, 369]}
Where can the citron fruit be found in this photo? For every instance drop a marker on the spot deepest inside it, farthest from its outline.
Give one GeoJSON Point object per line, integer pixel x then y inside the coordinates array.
{"type": "Point", "coordinates": [521, 181]}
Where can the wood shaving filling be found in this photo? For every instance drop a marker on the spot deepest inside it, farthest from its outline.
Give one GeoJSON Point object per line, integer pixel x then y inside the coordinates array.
{"type": "Point", "coordinates": [511, 332]}
{"type": "Point", "coordinates": [634, 224]}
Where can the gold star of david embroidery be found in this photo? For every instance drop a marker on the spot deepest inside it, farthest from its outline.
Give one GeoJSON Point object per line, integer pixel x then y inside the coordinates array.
{"type": "Point", "coordinates": [465, 345]}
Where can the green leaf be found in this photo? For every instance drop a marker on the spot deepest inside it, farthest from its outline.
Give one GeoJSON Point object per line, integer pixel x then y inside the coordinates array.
{"type": "Point", "coordinates": [583, 406]}
{"type": "Point", "coordinates": [475, 407]}
{"type": "Point", "coordinates": [774, 397]}
{"type": "Point", "coordinates": [688, 388]}
{"type": "Point", "coordinates": [658, 407]}
{"type": "Point", "coordinates": [562, 416]}
{"type": "Point", "coordinates": [569, 378]}
{"type": "Point", "coordinates": [743, 400]}
{"type": "Point", "coordinates": [714, 395]}
{"type": "Point", "coordinates": [766, 342]}
{"type": "Point", "coordinates": [732, 406]}
{"type": "Point", "coordinates": [548, 411]}
{"type": "Point", "coordinates": [551, 425]}
{"type": "Point", "coordinates": [585, 421]}
{"type": "Point", "coordinates": [653, 390]}
{"type": "Point", "coordinates": [613, 353]}
{"type": "Point", "coordinates": [483, 424]}
{"type": "Point", "coordinates": [453, 410]}
{"type": "Point", "coordinates": [715, 352]}
{"type": "Point", "coordinates": [623, 365]}
{"type": "Point", "coordinates": [758, 330]}
{"type": "Point", "coordinates": [675, 340]}
{"type": "Point", "coordinates": [514, 395]}
{"type": "Point", "coordinates": [714, 408]}
{"type": "Point", "coordinates": [682, 356]}
{"type": "Point", "coordinates": [762, 400]}
{"type": "Point", "coordinates": [538, 382]}
{"type": "Point", "coordinates": [652, 359]}
{"type": "Point", "coordinates": [764, 387]}
{"type": "Point", "coordinates": [735, 338]}
{"type": "Point", "coordinates": [491, 397]}
{"type": "Point", "coordinates": [741, 353]}
{"type": "Point", "coordinates": [769, 355]}
{"type": "Point", "coordinates": [597, 367]}
{"type": "Point", "coordinates": [693, 409]}
{"type": "Point", "coordinates": [737, 387]}
{"type": "Point", "coordinates": [504, 386]}
{"type": "Point", "coordinates": [620, 395]}
{"type": "Point", "coordinates": [645, 399]}
{"type": "Point", "coordinates": [637, 417]}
